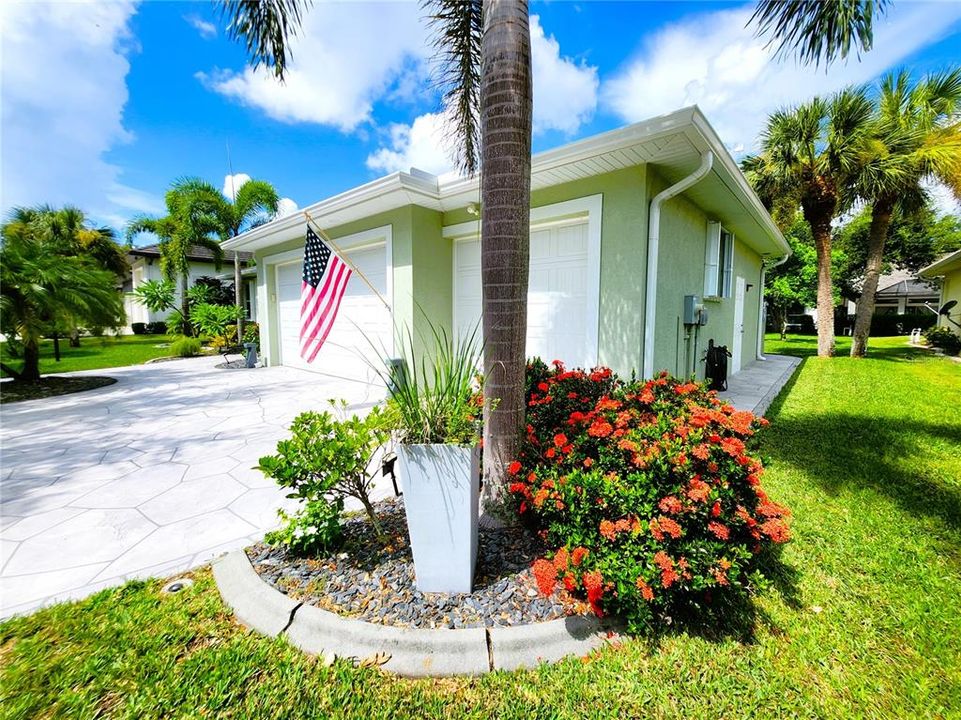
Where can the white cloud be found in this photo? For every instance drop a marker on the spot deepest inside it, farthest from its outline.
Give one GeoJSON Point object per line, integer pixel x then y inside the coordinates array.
{"type": "Point", "coordinates": [714, 60]}
{"type": "Point", "coordinates": [944, 200]}
{"type": "Point", "coordinates": [423, 145]}
{"type": "Point", "coordinates": [565, 92]}
{"type": "Point", "coordinates": [63, 92]}
{"type": "Point", "coordinates": [285, 207]}
{"type": "Point", "coordinates": [232, 184]}
{"type": "Point", "coordinates": [346, 57]}
{"type": "Point", "coordinates": [565, 96]}
{"type": "Point", "coordinates": [207, 30]}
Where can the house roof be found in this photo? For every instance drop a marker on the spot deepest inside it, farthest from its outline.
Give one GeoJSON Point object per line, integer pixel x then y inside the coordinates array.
{"type": "Point", "coordinates": [197, 253]}
{"type": "Point", "coordinates": [672, 143]}
{"type": "Point", "coordinates": [946, 264]}
{"type": "Point", "coordinates": [903, 283]}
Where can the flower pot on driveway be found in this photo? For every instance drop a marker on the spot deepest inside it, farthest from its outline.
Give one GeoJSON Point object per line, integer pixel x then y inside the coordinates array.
{"type": "Point", "coordinates": [441, 485]}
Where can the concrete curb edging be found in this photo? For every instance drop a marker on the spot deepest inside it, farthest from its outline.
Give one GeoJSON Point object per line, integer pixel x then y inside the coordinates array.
{"type": "Point", "coordinates": [409, 652]}
{"type": "Point", "coordinates": [792, 367]}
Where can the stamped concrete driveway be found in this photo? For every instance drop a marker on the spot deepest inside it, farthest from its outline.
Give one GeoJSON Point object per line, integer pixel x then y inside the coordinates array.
{"type": "Point", "coordinates": [150, 476]}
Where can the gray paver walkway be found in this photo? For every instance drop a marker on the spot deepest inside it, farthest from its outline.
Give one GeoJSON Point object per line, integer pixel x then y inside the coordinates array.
{"type": "Point", "coordinates": [150, 476]}
{"type": "Point", "coordinates": [756, 386]}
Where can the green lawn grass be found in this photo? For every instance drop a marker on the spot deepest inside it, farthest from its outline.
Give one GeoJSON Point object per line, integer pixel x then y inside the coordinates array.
{"type": "Point", "coordinates": [861, 619]}
{"type": "Point", "coordinates": [95, 353]}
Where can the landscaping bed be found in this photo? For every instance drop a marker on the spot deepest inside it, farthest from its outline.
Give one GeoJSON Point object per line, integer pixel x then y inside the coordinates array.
{"type": "Point", "coordinates": [51, 386]}
{"type": "Point", "coordinates": [373, 579]}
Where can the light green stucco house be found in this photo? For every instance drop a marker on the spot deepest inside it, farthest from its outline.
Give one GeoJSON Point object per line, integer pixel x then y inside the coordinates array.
{"type": "Point", "coordinates": [624, 225]}
{"type": "Point", "coordinates": [948, 269]}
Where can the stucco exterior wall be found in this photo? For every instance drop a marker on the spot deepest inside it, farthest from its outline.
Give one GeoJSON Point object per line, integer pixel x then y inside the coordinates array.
{"type": "Point", "coordinates": [951, 290]}
{"type": "Point", "coordinates": [681, 254]}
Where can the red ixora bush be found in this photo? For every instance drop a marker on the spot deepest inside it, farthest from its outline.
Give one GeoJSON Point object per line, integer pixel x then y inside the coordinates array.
{"type": "Point", "coordinates": [648, 491]}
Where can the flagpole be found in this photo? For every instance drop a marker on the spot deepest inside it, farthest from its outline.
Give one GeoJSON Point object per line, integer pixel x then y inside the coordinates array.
{"type": "Point", "coordinates": [343, 257]}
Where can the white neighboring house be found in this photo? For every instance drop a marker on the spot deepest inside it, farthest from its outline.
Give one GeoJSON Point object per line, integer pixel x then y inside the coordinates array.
{"type": "Point", "coordinates": [145, 265]}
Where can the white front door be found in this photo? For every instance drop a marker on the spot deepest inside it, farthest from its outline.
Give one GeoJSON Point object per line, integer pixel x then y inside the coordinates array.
{"type": "Point", "coordinates": [739, 290]}
{"type": "Point", "coordinates": [560, 314]}
{"type": "Point", "coordinates": [363, 322]}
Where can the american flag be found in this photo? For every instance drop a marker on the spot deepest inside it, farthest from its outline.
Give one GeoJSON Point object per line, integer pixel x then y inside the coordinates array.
{"type": "Point", "coordinates": [324, 281]}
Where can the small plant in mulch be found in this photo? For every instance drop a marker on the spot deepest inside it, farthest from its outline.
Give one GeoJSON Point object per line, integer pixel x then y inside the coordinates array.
{"type": "Point", "coordinates": [325, 461]}
{"type": "Point", "coordinates": [648, 493]}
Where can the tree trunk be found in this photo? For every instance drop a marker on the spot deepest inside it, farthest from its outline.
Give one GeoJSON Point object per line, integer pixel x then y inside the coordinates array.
{"type": "Point", "coordinates": [818, 211]}
{"type": "Point", "coordinates": [185, 304]}
{"type": "Point", "coordinates": [75, 337]}
{"type": "Point", "coordinates": [877, 236]}
{"type": "Point", "coordinates": [505, 108]}
{"type": "Point", "coordinates": [31, 362]}
{"type": "Point", "coordinates": [56, 347]}
{"type": "Point", "coordinates": [238, 299]}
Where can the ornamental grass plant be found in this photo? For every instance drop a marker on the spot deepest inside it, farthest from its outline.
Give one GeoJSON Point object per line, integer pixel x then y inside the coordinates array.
{"type": "Point", "coordinates": [648, 492]}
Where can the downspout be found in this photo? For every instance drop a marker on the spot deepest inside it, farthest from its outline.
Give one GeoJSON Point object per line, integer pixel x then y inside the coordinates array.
{"type": "Point", "coordinates": [761, 309]}
{"type": "Point", "coordinates": [653, 237]}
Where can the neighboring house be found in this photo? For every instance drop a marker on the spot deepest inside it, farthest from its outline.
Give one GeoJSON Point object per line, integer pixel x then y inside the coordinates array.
{"type": "Point", "coordinates": [607, 285]}
{"type": "Point", "coordinates": [145, 265]}
{"type": "Point", "coordinates": [948, 269]}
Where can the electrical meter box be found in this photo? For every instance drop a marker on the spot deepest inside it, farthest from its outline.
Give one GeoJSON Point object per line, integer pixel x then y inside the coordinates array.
{"type": "Point", "coordinates": [692, 310]}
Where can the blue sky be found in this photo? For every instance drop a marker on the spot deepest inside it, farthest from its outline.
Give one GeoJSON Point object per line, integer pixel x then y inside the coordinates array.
{"type": "Point", "coordinates": [104, 104]}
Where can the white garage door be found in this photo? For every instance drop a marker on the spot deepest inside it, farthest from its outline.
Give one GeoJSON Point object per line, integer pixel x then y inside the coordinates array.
{"type": "Point", "coordinates": [363, 319]}
{"type": "Point", "coordinates": [560, 316]}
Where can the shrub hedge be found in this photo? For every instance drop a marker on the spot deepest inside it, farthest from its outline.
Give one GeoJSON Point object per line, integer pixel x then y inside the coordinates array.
{"type": "Point", "coordinates": [647, 491]}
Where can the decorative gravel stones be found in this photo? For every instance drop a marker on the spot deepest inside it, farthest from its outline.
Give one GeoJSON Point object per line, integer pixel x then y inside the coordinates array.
{"type": "Point", "coordinates": [373, 580]}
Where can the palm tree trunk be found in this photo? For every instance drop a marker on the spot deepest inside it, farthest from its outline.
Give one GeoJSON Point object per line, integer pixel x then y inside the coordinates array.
{"type": "Point", "coordinates": [238, 299]}
{"type": "Point", "coordinates": [185, 304]}
{"type": "Point", "coordinates": [877, 236]}
{"type": "Point", "coordinates": [505, 108]}
{"type": "Point", "coordinates": [31, 362]}
{"type": "Point", "coordinates": [818, 205]}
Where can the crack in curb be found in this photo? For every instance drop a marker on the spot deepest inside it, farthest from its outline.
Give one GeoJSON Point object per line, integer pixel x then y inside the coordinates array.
{"type": "Point", "coordinates": [290, 620]}
{"type": "Point", "coordinates": [490, 649]}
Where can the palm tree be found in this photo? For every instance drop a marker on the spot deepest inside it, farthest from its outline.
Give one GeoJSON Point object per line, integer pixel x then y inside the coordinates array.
{"type": "Point", "coordinates": [43, 287]}
{"type": "Point", "coordinates": [486, 63]}
{"type": "Point", "coordinates": [254, 204]}
{"type": "Point", "coordinates": [917, 140]}
{"type": "Point", "coordinates": [818, 31]}
{"type": "Point", "coordinates": [194, 215]}
{"type": "Point", "coordinates": [809, 156]}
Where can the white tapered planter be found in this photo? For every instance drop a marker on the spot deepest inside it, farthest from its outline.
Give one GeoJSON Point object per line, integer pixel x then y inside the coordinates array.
{"type": "Point", "coordinates": [441, 484]}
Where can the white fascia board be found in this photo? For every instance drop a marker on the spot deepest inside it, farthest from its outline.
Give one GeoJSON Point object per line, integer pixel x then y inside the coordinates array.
{"type": "Point", "coordinates": [741, 188]}
{"type": "Point", "coordinates": [942, 266]}
{"type": "Point", "coordinates": [386, 193]}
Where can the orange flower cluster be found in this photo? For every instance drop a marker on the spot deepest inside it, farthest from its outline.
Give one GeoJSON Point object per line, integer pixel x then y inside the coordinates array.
{"type": "Point", "coordinates": [662, 525]}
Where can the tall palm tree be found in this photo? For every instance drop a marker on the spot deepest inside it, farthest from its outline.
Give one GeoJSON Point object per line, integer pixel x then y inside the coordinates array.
{"type": "Point", "coordinates": [917, 140]}
{"type": "Point", "coordinates": [253, 204]}
{"type": "Point", "coordinates": [485, 55]}
{"type": "Point", "coordinates": [194, 216]}
{"type": "Point", "coordinates": [809, 155]}
{"type": "Point", "coordinates": [43, 287]}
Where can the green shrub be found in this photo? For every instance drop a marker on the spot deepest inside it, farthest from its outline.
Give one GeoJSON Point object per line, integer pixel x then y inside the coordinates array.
{"type": "Point", "coordinates": [941, 337]}
{"type": "Point", "coordinates": [646, 490]}
{"type": "Point", "coordinates": [325, 461]}
{"type": "Point", "coordinates": [252, 334]}
{"type": "Point", "coordinates": [157, 328]}
{"type": "Point", "coordinates": [185, 347]}
{"type": "Point", "coordinates": [138, 328]}
{"type": "Point", "coordinates": [315, 527]}
{"type": "Point", "coordinates": [213, 320]}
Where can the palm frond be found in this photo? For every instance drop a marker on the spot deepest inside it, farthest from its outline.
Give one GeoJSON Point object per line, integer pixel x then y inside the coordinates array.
{"type": "Point", "coordinates": [458, 26]}
{"type": "Point", "coordinates": [818, 31]}
{"type": "Point", "coordinates": [266, 28]}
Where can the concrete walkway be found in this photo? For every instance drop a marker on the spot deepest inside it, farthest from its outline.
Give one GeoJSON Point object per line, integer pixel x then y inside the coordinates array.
{"type": "Point", "coordinates": [756, 386]}
{"type": "Point", "coordinates": [150, 476]}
